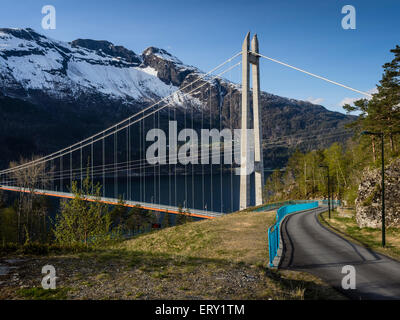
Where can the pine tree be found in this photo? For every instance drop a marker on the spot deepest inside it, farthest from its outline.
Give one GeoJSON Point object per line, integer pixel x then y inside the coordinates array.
{"type": "Point", "coordinates": [388, 96]}
{"type": "Point", "coordinates": [382, 112]}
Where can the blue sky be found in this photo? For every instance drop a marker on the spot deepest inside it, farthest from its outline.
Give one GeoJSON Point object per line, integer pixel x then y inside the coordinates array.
{"type": "Point", "coordinates": [304, 33]}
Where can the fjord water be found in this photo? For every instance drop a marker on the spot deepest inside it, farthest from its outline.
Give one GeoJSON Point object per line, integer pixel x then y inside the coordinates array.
{"type": "Point", "coordinates": [189, 191]}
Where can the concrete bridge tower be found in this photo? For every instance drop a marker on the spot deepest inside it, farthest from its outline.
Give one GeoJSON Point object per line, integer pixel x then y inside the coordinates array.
{"type": "Point", "coordinates": [246, 144]}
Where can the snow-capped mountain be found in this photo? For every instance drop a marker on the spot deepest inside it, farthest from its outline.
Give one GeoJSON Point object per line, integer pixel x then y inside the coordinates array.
{"type": "Point", "coordinates": [30, 61]}
{"type": "Point", "coordinates": [85, 85]}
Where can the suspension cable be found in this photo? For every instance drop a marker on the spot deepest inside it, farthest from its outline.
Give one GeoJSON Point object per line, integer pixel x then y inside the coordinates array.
{"type": "Point", "coordinates": [314, 75]}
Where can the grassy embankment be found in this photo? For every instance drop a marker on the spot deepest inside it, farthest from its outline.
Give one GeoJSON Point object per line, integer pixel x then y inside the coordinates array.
{"type": "Point", "coordinates": [368, 237]}
{"type": "Point", "coordinates": [224, 258]}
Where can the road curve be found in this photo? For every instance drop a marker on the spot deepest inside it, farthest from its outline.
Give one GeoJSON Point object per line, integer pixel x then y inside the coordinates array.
{"type": "Point", "coordinates": [308, 246]}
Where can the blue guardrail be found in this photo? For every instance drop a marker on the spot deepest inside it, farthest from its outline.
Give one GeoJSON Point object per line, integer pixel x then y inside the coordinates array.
{"type": "Point", "coordinates": [274, 232]}
{"type": "Point", "coordinates": [336, 202]}
{"type": "Point", "coordinates": [275, 205]}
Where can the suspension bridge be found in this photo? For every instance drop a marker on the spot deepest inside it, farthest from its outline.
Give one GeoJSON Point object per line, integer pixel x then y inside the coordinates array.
{"type": "Point", "coordinates": [118, 159]}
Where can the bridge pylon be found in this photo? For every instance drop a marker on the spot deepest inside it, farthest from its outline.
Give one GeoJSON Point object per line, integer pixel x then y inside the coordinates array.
{"type": "Point", "coordinates": [250, 57]}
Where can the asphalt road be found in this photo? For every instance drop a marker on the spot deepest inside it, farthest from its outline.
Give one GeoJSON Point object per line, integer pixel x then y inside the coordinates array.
{"type": "Point", "coordinates": [310, 247]}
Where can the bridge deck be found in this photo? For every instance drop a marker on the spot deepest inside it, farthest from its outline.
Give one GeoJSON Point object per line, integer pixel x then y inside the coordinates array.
{"type": "Point", "coordinates": [145, 205]}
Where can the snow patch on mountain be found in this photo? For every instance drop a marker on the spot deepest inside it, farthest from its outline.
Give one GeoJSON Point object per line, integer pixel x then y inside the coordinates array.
{"type": "Point", "coordinates": [120, 82]}
{"type": "Point", "coordinates": [29, 60]}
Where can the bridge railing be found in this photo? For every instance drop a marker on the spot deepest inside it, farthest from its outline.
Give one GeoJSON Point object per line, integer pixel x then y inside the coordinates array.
{"type": "Point", "coordinates": [274, 230]}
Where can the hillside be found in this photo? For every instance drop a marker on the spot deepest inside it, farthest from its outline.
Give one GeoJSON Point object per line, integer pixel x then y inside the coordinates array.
{"type": "Point", "coordinates": [85, 85]}
{"type": "Point", "coordinates": [223, 258]}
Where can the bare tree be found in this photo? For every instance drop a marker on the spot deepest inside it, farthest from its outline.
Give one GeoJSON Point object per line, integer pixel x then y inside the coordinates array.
{"type": "Point", "coordinates": [31, 208]}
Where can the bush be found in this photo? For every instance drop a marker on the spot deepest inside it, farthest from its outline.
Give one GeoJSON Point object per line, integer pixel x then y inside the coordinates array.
{"type": "Point", "coordinates": [81, 221]}
{"type": "Point", "coordinates": [351, 194]}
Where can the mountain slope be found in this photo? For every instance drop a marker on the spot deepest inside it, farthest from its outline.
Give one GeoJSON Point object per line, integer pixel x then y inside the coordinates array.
{"type": "Point", "coordinates": [89, 84]}
{"type": "Point", "coordinates": [30, 61]}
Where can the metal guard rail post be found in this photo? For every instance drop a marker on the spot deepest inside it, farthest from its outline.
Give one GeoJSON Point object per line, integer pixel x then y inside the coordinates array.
{"type": "Point", "coordinates": [274, 230]}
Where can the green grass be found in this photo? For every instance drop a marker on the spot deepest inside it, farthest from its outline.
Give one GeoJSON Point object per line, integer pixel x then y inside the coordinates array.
{"type": "Point", "coordinates": [43, 294]}
{"type": "Point", "coordinates": [238, 239]}
{"type": "Point", "coordinates": [367, 237]}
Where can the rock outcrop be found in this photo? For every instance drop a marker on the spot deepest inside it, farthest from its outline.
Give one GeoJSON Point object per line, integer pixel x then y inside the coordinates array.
{"type": "Point", "coordinates": [369, 200]}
